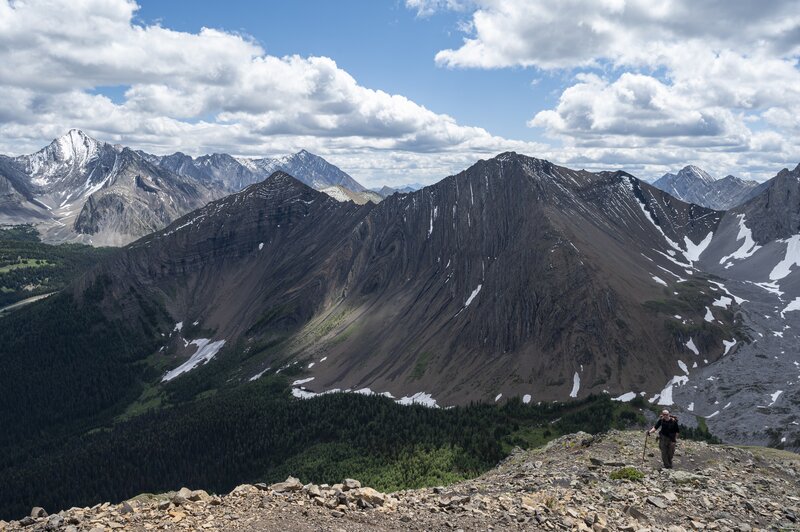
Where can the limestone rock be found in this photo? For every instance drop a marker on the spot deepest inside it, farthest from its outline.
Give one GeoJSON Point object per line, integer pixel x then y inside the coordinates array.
{"type": "Point", "coordinates": [350, 484]}
{"type": "Point", "coordinates": [290, 484]}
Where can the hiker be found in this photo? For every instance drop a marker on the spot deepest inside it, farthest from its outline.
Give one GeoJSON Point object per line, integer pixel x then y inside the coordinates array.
{"type": "Point", "coordinates": [667, 437]}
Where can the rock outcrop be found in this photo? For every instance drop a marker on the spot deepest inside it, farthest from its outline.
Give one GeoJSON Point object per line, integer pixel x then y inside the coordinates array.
{"type": "Point", "coordinates": [566, 485]}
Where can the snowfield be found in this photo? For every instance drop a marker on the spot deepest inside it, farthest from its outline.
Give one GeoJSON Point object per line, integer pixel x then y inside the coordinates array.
{"type": "Point", "coordinates": [206, 349]}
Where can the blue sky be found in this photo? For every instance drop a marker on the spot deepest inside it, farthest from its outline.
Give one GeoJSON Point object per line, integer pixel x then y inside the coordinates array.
{"type": "Point", "coordinates": [384, 45]}
{"type": "Point", "coordinates": [402, 91]}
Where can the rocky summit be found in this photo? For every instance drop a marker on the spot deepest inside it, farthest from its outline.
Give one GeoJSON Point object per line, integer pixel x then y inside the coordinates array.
{"type": "Point", "coordinates": [576, 482]}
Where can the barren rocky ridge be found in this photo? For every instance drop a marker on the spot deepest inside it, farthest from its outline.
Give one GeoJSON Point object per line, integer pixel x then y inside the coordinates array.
{"type": "Point", "coordinates": [566, 485]}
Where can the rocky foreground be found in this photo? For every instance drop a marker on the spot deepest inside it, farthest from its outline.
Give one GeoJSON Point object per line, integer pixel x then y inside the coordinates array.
{"type": "Point", "coordinates": [567, 485]}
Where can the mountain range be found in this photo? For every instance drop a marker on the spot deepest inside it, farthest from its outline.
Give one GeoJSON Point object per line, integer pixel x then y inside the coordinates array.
{"type": "Point", "coordinates": [80, 189]}
{"type": "Point", "coordinates": [695, 185]}
{"type": "Point", "coordinates": [514, 282]}
{"type": "Point", "coordinates": [513, 278]}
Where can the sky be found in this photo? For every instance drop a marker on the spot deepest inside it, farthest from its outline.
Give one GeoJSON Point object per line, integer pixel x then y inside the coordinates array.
{"type": "Point", "coordinates": [404, 91]}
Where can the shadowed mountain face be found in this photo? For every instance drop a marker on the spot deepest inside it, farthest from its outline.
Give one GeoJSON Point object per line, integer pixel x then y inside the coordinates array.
{"type": "Point", "coordinates": [694, 185]}
{"type": "Point", "coordinates": [515, 277]}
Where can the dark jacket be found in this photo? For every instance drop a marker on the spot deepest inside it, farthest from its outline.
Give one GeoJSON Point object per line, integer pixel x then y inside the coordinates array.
{"type": "Point", "coordinates": [669, 427]}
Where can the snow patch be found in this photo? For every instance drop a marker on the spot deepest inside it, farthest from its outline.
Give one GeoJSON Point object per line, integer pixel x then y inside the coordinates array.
{"type": "Point", "coordinates": [419, 398]}
{"type": "Point", "coordinates": [693, 251]}
{"type": "Point", "coordinates": [709, 317]}
{"type": "Point", "coordinates": [526, 398]}
{"type": "Point", "coordinates": [302, 381]}
{"type": "Point", "coordinates": [665, 397]}
{"type": "Point", "coordinates": [792, 258]}
{"type": "Point", "coordinates": [659, 280]}
{"type": "Point", "coordinates": [258, 375]}
{"type": "Point", "coordinates": [792, 306]}
{"type": "Point", "coordinates": [576, 385]}
{"type": "Point", "coordinates": [770, 287]}
{"type": "Point", "coordinates": [260, 246]}
{"type": "Point", "coordinates": [683, 366]}
{"type": "Point", "coordinates": [206, 349]}
{"type": "Point", "coordinates": [690, 408]}
{"type": "Point", "coordinates": [473, 295]}
{"type": "Point", "coordinates": [748, 248]}
{"type": "Point", "coordinates": [712, 415]}
{"type": "Point", "coordinates": [302, 394]}
{"type": "Point", "coordinates": [499, 395]}
{"type": "Point", "coordinates": [722, 302]}
{"type": "Point", "coordinates": [178, 326]}
{"type": "Point", "coordinates": [728, 344]}
{"type": "Point", "coordinates": [693, 348]}
{"type": "Point", "coordinates": [625, 397]}
{"type": "Point", "coordinates": [775, 396]}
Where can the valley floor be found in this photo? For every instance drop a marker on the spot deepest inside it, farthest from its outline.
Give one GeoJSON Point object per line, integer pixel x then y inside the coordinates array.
{"type": "Point", "coordinates": [563, 486]}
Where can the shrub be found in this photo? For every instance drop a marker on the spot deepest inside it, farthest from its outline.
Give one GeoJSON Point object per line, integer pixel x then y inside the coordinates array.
{"type": "Point", "coordinates": [627, 473]}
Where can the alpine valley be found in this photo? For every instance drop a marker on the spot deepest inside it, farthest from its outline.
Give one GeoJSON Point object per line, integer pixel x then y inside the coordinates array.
{"type": "Point", "coordinates": [524, 286]}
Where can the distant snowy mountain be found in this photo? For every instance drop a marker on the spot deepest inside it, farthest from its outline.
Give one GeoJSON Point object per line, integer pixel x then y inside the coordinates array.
{"type": "Point", "coordinates": [340, 193]}
{"type": "Point", "coordinates": [80, 189]}
{"type": "Point", "coordinates": [695, 185]}
{"type": "Point", "coordinates": [310, 169]}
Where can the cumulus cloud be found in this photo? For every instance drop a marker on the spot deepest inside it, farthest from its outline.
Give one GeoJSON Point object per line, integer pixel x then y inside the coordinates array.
{"type": "Point", "coordinates": [709, 75]}
{"type": "Point", "coordinates": [634, 105]}
{"type": "Point", "coordinates": [573, 33]}
{"type": "Point", "coordinates": [207, 91]}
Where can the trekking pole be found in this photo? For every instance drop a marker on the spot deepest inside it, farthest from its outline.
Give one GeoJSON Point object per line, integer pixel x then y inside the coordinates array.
{"type": "Point", "coordinates": [646, 435]}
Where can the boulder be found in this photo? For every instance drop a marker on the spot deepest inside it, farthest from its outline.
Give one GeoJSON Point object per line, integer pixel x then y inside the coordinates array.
{"type": "Point", "coordinates": [288, 485]}
{"type": "Point", "coordinates": [54, 522]}
{"type": "Point", "coordinates": [350, 484]}
{"type": "Point", "coordinates": [370, 496]}
{"type": "Point", "coordinates": [37, 512]}
{"type": "Point", "coordinates": [657, 502]}
{"type": "Point", "coordinates": [243, 490]}
{"type": "Point", "coordinates": [199, 496]}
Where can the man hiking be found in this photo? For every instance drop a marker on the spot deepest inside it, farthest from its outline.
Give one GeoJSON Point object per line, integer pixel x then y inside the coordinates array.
{"type": "Point", "coordinates": [667, 437]}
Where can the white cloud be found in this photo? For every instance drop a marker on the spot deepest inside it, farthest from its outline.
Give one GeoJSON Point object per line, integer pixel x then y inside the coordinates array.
{"type": "Point", "coordinates": [209, 91]}
{"type": "Point", "coordinates": [723, 99]}
{"type": "Point", "coordinates": [574, 33]}
{"type": "Point", "coordinates": [654, 80]}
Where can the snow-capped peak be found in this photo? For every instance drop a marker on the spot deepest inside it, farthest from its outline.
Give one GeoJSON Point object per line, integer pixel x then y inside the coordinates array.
{"type": "Point", "coordinates": [75, 145]}
{"type": "Point", "coordinates": [68, 153]}
{"type": "Point", "coordinates": [695, 172]}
